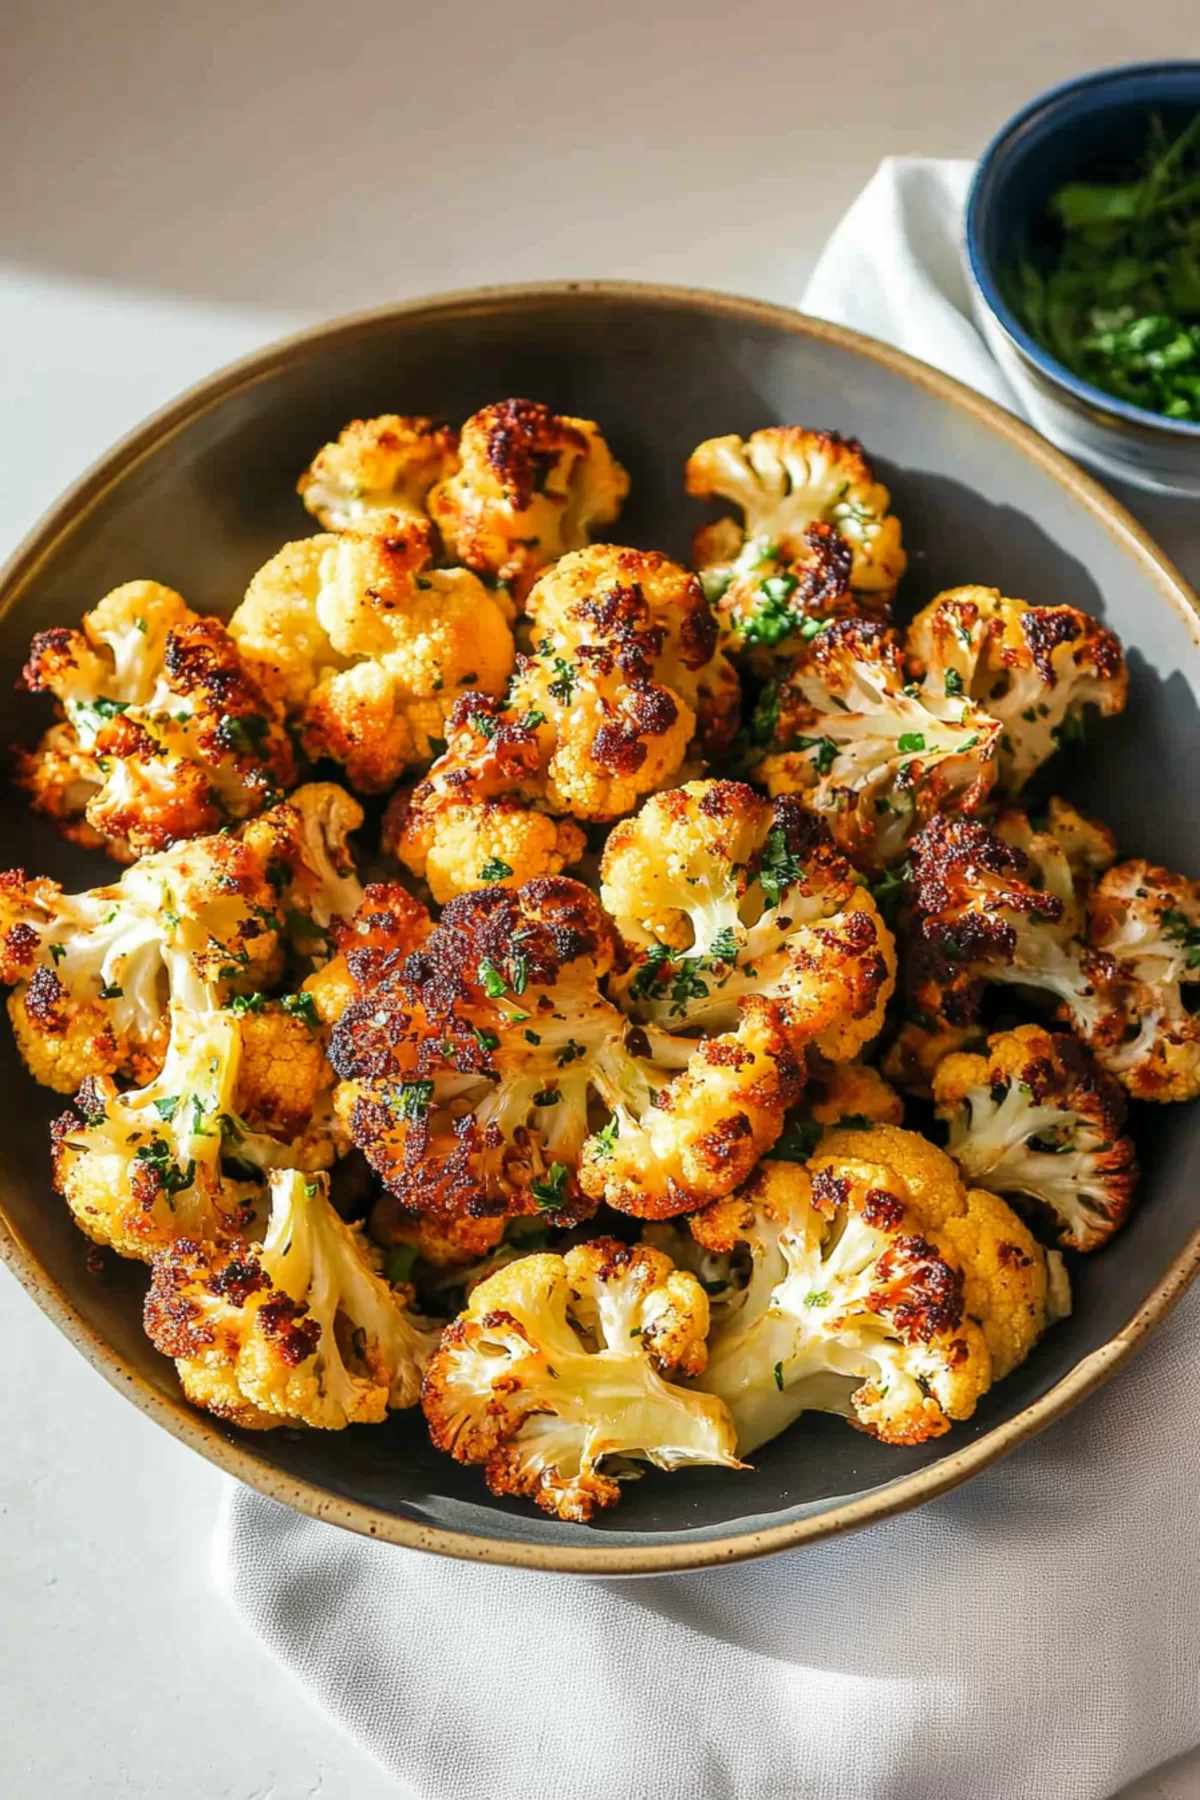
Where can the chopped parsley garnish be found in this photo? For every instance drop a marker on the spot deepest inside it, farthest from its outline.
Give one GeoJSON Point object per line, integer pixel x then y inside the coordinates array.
{"type": "Point", "coordinates": [812, 628]}
{"type": "Point", "coordinates": [570, 1052]}
{"type": "Point", "coordinates": [547, 1097]}
{"type": "Point", "coordinates": [855, 1122]}
{"type": "Point", "coordinates": [687, 984]}
{"type": "Point", "coordinates": [532, 1037]}
{"type": "Point", "coordinates": [167, 1107]}
{"type": "Point", "coordinates": [103, 707]}
{"type": "Point", "coordinates": [301, 1006]}
{"type": "Point", "coordinates": [111, 992]}
{"type": "Point", "coordinates": [888, 891]}
{"type": "Point", "coordinates": [826, 749]}
{"type": "Point", "coordinates": [486, 727]}
{"type": "Point", "coordinates": [604, 1142]}
{"type": "Point", "coordinates": [563, 685]}
{"type": "Point", "coordinates": [798, 1140]}
{"type": "Point", "coordinates": [399, 1265]}
{"type": "Point", "coordinates": [780, 868]}
{"type": "Point", "coordinates": [411, 1100]}
{"type": "Point", "coordinates": [437, 747]}
{"type": "Point", "coordinates": [247, 1003]}
{"type": "Point", "coordinates": [954, 682]}
{"type": "Point", "coordinates": [771, 621]}
{"type": "Point", "coordinates": [1178, 929]}
{"type": "Point", "coordinates": [819, 1297]}
{"type": "Point", "coordinates": [245, 735]}
{"type": "Point", "coordinates": [518, 965]}
{"type": "Point", "coordinates": [58, 951]}
{"type": "Point", "coordinates": [764, 721]}
{"type": "Point", "coordinates": [551, 1193]}
{"type": "Point", "coordinates": [171, 1178]}
{"type": "Point", "coordinates": [723, 947]}
{"type": "Point", "coordinates": [1073, 730]}
{"type": "Point", "coordinates": [911, 741]}
{"type": "Point", "coordinates": [779, 1376]}
{"type": "Point", "coordinates": [494, 870]}
{"type": "Point", "coordinates": [487, 1040]}
{"type": "Point", "coordinates": [533, 719]}
{"type": "Point", "coordinates": [494, 984]}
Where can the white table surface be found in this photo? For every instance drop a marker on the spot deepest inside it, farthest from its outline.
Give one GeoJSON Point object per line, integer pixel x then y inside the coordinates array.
{"type": "Point", "coordinates": [183, 183]}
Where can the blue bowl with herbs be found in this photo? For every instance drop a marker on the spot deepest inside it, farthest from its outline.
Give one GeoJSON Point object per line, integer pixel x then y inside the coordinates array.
{"type": "Point", "coordinates": [1083, 250]}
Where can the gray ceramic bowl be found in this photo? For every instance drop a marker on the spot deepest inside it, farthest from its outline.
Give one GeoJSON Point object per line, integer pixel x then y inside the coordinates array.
{"type": "Point", "coordinates": [201, 495]}
{"type": "Point", "coordinates": [1090, 128]}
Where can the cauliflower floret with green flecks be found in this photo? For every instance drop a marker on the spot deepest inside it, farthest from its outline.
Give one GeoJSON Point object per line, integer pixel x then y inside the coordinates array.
{"type": "Point", "coordinates": [848, 1306]}
{"type": "Point", "coordinates": [786, 479]}
{"type": "Point", "coordinates": [304, 845]}
{"type": "Point", "coordinates": [302, 1329]}
{"type": "Point", "coordinates": [1033, 668]}
{"type": "Point", "coordinates": [721, 895]}
{"type": "Point", "coordinates": [770, 602]}
{"type": "Point", "coordinates": [875, 758]}
{"type": "Point", "coordinates": [1012, 1287]}
{"type": "Point", "coordinates": [93, 973]}
{"type": "Point", "coordinates": [377, 473]}
{"type": "Point", "coordinates": [1038, 1119]}
{"type": "Point", "coordinates": [530, 486]}
{"type": "Point", "coordinates": [474, 843]}
{"type": "Point", "coordinates": [1147, 919]}
{"type": "Point", "coordinates": [558, 1374]}
{"type": "Point", "coordinates": [276, 627]}
{"type": "Point", "coordinates": [166, 732]}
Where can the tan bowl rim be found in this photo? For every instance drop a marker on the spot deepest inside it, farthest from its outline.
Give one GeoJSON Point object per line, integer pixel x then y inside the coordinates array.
{"type": "Point", "coordinates": [598, 1556]}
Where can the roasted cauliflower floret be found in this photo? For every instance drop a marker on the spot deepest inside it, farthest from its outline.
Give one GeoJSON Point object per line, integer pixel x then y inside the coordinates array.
{"type": "Point", "coordinates": [304, 847]}
{"type": "Point", "coordinates": [721, 894]}
{"type": "Point", "coordinates": [875, 758]}
{"type": "Point", "coordinates": [166, 732]}
{"type": "Point", "coordinates": [390, 645]}
{"type": "Point", "coordinates": [530, 485]}
{"type": "Point", "coordinates": [1036, 1118]}
{"type": "Point", "coordinates": [557, 1375]}
{"type": "Point", "coordinates": [301, 1329]}
{"type": "Point", "coordinates": [376, 475]}
{"type": "Point", "coordinates": [1012, 1288]}
{"type": "Point", "coordinates": [1034, 668]}
{"type": "Point", "coordinates": [142, 1168]}
{"type": "Point", "coordinates": [603, 712]}
{"type": "Point", "coordinates": [848, 1306]}
{"type": "Point", "coordinates": [479, 1072]}
{"type": "Point", "coordinates": [93, 973]}
{"type": "Point", "coordinates": [786, 480]}
{"type": "Point", "coordinates": [1148, 919]}
{"type": "Point", "coordinates": [771, 602]}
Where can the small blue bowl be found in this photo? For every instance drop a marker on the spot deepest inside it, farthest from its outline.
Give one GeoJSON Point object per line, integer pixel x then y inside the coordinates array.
{"type": "Point", "coordinates": [1091, 128]}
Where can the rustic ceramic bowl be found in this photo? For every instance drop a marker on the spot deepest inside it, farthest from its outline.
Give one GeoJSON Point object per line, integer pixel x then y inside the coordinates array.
{"type": "Point", "coordinates": [204, 493]}
{"type": "Point", "coordinates": [1089, 129]}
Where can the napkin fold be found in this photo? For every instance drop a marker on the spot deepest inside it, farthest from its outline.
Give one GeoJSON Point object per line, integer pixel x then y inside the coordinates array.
{"type": "Point", "coordinates": [1033, 1636]}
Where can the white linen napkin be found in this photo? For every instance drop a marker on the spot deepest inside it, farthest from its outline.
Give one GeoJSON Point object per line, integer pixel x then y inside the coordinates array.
{"type": "Point", "coordinates": [1033, 1636]}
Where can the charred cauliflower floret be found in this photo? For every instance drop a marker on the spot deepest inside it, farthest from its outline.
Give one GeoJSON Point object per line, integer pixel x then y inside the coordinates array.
{"type": "Point", "coordinates": [999, 906]}
{"type": "Point", "coordinates": [376, 475]}
{"type": "Point", "coordinates": [875, 758]}
{"type": "Point", "coordinates": [387, 644]}
{"type": "Point", "coordinates": [1147, 919]}
{"type": "Point", "coordinates": [785, 480]}
{"type": "Point", "coordinates": [623, 672]}
{"type": "Point", "coordinates": [1033, 668]}
{"type": "Point", "coordinates": [483, 1070]}
{"type": "Point", "coordinates": [530, 485]}
{"type": "Point", "coordinates": [304, 847]}
{"type": "Point", "coordinates": [772, 601]}
{"type": "Point", "coordinates": [1012, 1288]}
{"type": "Point", "coordinates": [848, 1305]}
{"type": "Point", "coordinates": [301, 1329]}
{"type": "Point", "coordinates": [93, 973]}
{"type": "Point", "coordinates": [166, 732]}
{"type": "Point", "coordinates": [721, 894]}
{"type": "Point", "coordinates": [558, 1375]}
{"type": "Point", "coordinates": [176, 1158]}
{"type": "Point", "coordinates": [1036, 1118]}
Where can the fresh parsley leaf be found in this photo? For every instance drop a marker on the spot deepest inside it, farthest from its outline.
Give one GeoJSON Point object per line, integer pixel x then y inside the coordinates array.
{"type": "Point", "coordinates": [301, 1006]}
{"type": "Point", "coordinates": [494, 870]}
{"type": "Point", "coordinates": [551, 1192]}
{"type": "Point", "coordinates": [779, 868]}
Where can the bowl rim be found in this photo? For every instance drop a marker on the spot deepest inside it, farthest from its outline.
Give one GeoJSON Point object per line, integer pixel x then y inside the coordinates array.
{"type": "Point", "coordinates": [598, 1556]}
{"type": "Point", "coordinates": [1095, 398]}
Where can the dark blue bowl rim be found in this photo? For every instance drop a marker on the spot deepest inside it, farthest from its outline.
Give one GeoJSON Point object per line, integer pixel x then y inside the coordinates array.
{"type": "Point", "coordinates": [1051, 99]}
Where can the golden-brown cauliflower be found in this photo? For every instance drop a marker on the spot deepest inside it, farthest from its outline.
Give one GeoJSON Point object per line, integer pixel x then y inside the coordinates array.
{"type": "Point", "coordinates": [165, 734]}
{"type": "Point", "coordinates": [1038, 1119]}
{"type": "Point", "coordinates": [1033, 668]}
{"type": "Point", "coordinates": [876, 758]}
{"type": "Point", "coordinates": [369, 648]}
{"type": "Point", "coordinates": [376, 475]}
{"type": "Point", "coordinates": [785, 480]}
{"type": "Point", "coordinates": [301, 1329]}
{"type": "Point", "coordinates": [561, 1367]}
{"type": "Point", "coordinates": [604, 711]}
{"type": "Point", "coordinates": [1012, 1288]}
{"type": "Point", "coordinates": [721, 894]}
{"type": "Point", "coordinates": [835, 1281]}
{"type": "Point", "coordinates": [529, 486]}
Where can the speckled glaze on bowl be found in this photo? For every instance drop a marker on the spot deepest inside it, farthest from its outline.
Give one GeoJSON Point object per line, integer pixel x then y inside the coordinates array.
{"type": "Point", "coordinates": [204, 492]}
{"type": "Point", "coordinates": [1087, 129]}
